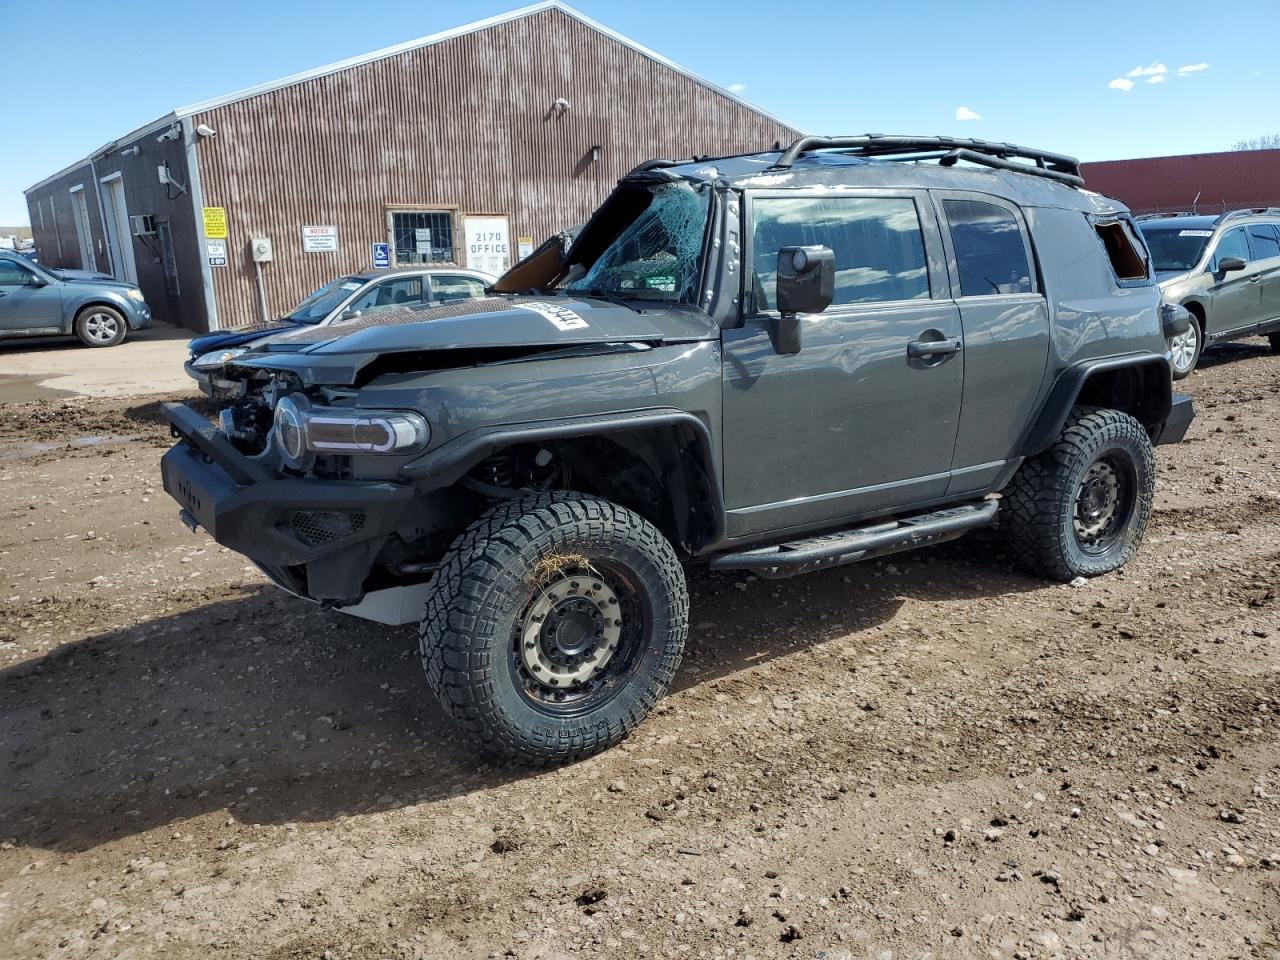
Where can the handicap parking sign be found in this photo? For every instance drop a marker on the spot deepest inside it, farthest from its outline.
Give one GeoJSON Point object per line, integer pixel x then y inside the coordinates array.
{"type": "Point", "coordinates": [381, 255]}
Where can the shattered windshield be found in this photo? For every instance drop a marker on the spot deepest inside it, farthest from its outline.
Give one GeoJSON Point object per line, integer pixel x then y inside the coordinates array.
{"type": "Point", "coordinates": [657, 256]}
{"type": "Point", "coordinates": [1174, 249]}
{"type": "Point", "coordinates": [320, 303]}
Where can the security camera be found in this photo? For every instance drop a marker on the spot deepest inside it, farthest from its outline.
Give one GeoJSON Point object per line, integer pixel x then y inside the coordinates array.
{"type": "Point", "coordinates": [170, 134]}
{"type": "Point", "coordinates": [206, 131]}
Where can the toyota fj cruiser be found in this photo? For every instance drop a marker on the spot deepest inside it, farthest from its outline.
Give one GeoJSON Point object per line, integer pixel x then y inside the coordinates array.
{"type": "Point", "coordinates": [775, 362]}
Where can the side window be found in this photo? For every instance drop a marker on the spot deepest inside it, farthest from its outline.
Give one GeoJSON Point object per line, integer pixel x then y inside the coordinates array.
{"type": "Point", "coordinates": [1232, 244]}
{"type": "Point", "coordinates": [447, 288]}
{"type": "Point", "coordinates": [12, 274]}
{"type": "Point", "coordinates": [389, 293]}
{"type": "Point", "coordinates": [1127, 255]}
{"type": "Point", "coordinates": [878, 246]}
{"type": "Point", "coordinates": [1264, 240]}
{"type": "Point", "coordinates": [991, 253]}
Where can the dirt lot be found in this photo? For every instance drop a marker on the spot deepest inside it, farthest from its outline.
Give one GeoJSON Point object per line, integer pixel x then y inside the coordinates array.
{"type": "Point", "coordinates": [923, 756]}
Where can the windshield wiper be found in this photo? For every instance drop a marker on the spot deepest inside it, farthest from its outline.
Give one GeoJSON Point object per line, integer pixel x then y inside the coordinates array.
{"type": "Point", "coordinates": [609, 295]}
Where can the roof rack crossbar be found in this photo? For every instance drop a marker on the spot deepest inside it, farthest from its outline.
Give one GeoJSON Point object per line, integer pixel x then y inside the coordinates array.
{"type": "Point", "coordinates": [1054, 166]}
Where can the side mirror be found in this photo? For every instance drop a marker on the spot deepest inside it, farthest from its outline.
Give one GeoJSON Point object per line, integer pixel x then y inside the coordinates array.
{"type": "Point", "coordinates": [806, 284]}
{"type": "Point", "coordinates": [35, 280]}
{"type": "Point", "coordinates": [351, 314]}
{"type": "Point", "coordinates": [1228, 264]}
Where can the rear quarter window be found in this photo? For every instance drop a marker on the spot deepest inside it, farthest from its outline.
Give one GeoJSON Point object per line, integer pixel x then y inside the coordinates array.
{"type": "Point", "coordinates": [990, 249]}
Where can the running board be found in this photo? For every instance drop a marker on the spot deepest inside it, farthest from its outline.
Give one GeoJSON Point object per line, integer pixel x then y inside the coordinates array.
{"type": "Point", "coordinates": [861, 543]}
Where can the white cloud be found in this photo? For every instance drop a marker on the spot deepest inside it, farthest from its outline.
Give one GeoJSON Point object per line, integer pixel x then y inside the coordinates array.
{"type": "Point", "coordinates": [1158, 78]}
{"type": "Point", "coordinates": [737, 88]}
{"type": "Point", "coordinates": [1192, 68]}
{"type": "Point", "coordinates": [964, 113]}
{"type": "Point", "coordinates": [1150, 70]}
{"type": "Point", "coordinates": [1120, 83]}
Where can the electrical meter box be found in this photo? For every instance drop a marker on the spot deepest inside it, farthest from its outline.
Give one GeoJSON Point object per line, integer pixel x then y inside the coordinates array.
{"type": "Point", "coordinates": [261, 248]}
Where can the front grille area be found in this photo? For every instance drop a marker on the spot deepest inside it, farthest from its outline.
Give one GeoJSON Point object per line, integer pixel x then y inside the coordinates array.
{"type": "Point", "coordinates": [318, 527]}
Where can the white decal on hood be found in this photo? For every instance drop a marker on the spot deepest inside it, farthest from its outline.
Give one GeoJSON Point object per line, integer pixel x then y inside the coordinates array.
{"type": "Point", "coordinates": [562, 317]}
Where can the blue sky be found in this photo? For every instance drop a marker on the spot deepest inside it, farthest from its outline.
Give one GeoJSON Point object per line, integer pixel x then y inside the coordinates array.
{"type": "Point", "coordinates": [1056, 76]}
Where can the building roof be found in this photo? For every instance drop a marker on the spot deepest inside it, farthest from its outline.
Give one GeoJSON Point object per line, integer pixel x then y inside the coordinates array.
{"type": "Point", "coordinates": [247, 93]}
{"type": "Point", "coordinates": [1207, 182]}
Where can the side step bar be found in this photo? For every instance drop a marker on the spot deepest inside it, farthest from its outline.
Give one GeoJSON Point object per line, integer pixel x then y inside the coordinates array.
{"type": "Point", "coordinates": [861, 543]}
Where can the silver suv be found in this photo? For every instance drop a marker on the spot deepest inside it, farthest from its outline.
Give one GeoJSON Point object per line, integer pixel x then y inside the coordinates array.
{"type": "Point", "coordinates": [1225, 270]}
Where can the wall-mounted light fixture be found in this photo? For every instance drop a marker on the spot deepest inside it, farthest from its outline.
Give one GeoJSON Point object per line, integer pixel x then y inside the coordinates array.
{"type": "Point", "coordinates": [205, 130]}
{"type": "Point", "coordinates": [595, 153]}
{"type": "Point", "coordinates": [131, 151]}
{"type": "Point", "coordinates": [561, 105]}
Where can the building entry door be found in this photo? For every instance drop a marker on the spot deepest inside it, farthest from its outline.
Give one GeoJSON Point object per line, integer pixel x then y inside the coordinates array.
{"type": "Point", "coordinates": [119, 238]}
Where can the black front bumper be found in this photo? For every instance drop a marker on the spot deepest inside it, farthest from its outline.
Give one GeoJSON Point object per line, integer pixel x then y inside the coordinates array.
{"type": "Point", "coordinates": [1181, 413]}
{"type": "Point", "coordinates": [320, 536]}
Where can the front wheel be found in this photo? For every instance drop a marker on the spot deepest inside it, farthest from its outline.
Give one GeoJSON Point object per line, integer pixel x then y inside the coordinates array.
{"type": "Point", "coordinates": [556, 623]}
{"type": "Point", "coordinates": [1184, 349]}
{"type": "Point", "coordinates": [1080, 509]}
{"type": "Point", "coordinates": [1274, 340]}
{"type": "Point", "coordinates": [99, 326]}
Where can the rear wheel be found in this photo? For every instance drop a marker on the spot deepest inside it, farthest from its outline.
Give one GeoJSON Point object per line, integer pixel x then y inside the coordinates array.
{"type": "Point", "coordinates": [556, 623]}
{"type": "Point", "coordinates": [1080, 509]}
{"type": "Point", "coordinates": [98, 326]}
{"type": "Point", "coordinates": [1184, 349]}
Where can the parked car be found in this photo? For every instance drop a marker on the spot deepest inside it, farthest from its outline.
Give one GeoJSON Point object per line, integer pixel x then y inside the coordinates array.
{"type": "Point", "coordinates": [37, 302]}
{"type": "Point", "coordinates": [345, 298]}
{"type": "Point", "coordinates": [777, 363]}
{"type": "Point", "coordinates": [1225, 270]}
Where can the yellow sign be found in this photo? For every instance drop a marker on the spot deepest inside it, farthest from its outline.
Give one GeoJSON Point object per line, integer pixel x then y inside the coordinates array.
{"type": "Point", "coordinates": [215, 223]}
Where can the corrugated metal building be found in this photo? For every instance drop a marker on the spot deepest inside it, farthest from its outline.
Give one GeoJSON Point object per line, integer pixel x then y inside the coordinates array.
{"type": "Point", "coordinates": [1202, 182]}
{"type": "Point", "coordinates": [457, 148]}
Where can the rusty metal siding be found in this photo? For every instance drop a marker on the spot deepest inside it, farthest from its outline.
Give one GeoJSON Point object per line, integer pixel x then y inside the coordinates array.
{"type": "Point", "coordinates": [464, 125]}
{"type": "Point", "coordinates": [1223, 181]}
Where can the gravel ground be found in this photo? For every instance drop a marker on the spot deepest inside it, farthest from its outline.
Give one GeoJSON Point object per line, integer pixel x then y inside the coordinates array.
{"type": "Point", "coordinates": [926, 756]}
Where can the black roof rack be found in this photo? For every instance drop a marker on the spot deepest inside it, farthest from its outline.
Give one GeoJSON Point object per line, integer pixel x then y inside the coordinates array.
{"type": "Point", "coordinates": [1052, 166]}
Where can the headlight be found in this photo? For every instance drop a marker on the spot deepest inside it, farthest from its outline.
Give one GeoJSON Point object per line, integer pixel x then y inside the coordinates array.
{"type": "Point", "coordinates": [302, 430]}
{"type": "Point", "coordinates": [216, 358]}
{"type": "Point", "coordinates": [134, 294]}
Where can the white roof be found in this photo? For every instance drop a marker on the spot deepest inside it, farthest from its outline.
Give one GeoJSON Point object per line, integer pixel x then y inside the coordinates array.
{"type": "Point", "coordinates": [248, 92]}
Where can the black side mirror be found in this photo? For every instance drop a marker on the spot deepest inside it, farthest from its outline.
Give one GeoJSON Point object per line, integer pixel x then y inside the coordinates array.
{"type": "Point", "coordinates": [1228, 264]}
{"type": "Point", "coordinates": [806, 284]}
{"type": "Point", "coordinates": [35, 280]}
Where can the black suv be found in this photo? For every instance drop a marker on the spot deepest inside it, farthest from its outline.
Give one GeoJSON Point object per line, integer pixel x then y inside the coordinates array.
{"type": "Point", "coordinates": [1225, 270]}
{"type": "Point", "coordinates": [775, 362]}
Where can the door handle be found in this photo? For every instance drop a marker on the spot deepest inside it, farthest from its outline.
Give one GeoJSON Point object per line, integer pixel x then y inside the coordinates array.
{"type": "Point", "coordinates": [927, 349]}
{"type": "Point", "coordinates": [1256, 278]}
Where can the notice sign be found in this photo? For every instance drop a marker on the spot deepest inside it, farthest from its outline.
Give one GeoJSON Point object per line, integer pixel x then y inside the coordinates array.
{"type": "Point", "coordinates": [524, 247]}
{"type": "Point", "coordinates": [216, 251]}
{"type": "Point", "coordinates": [380, 254]}
{"type": "Point", "coordinates": [215, 223]}
{"type": "Point", "coordinates": [422, 240]}
{"type": "Point", "coordinates": [488, 243]}
{"type": "Point", "coordinates": [323, 239]}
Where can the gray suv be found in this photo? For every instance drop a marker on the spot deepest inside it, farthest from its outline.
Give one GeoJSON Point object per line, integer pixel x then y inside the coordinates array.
{"type": "Point", "coordinates": [777, 363]}
{"type": "Point", "coordinates": [36, 302]}
{"type": "Point", "coordinates": [1225, 270]}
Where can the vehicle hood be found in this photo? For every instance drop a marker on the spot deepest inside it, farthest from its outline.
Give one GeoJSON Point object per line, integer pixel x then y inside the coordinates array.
{"type": "Point", "coordinates": [80, 276]}
{"type": "Point", "coordinates": [501, 325]}
{"type": "Point", "coordinates": [238, 336]}
{"type": "Point", "coordinates": [1164, 276]}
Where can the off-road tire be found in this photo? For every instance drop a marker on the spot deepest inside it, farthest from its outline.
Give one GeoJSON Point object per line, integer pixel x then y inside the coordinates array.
{"type": "Point", "coordinates": [99, 326]}
{"type": "Point", "coordinates": [489, 578]}
{"type": "Point", "coordinates": [1038, 513]}
{"type": "Point", "coordinates": [1274, 340]}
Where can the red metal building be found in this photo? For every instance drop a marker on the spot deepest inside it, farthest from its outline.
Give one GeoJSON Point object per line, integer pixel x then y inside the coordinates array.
{"type": "Point", "coordinates": [1201, 182]}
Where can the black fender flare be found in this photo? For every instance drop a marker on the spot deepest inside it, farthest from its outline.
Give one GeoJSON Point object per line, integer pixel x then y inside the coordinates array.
{"type": "Point", "coordinates": [1156, 403]}
{"type": "Point", "coordinates": [448, 463]}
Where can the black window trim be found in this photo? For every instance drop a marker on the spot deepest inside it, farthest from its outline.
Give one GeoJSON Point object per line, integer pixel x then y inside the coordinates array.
{"type": "Point", "coordinates": [930, 235]}
{"type": "Point", "coordinates": [1275, 230]}
{"type": "Point", "coordinates": [953, 266]}
{"type": "Point", "coordinates": [1215, 243]}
